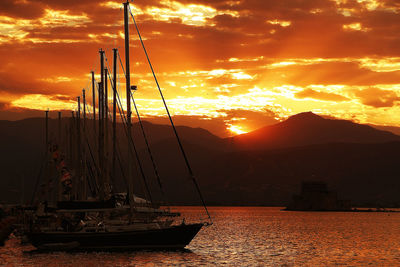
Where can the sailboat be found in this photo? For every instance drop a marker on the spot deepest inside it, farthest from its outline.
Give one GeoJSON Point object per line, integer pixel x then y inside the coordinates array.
{"type": "Point", "coordinates": [87, 214]}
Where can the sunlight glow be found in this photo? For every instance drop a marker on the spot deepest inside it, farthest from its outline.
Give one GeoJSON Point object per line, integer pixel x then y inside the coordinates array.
{"type": "Point", "coordinates": [282, 23]}
{"type": "Point", "coordinates": [369, 4]}
{"type": "Point", "coordinates": [236, 129]}
{"type": "Point", "coordinates": [58, 18]}
{"type": "Point", "coordinates": [354, 27]}
{"type": "Point", "coordinates": [44, 102]}
{"type": "Point", "coordinates": [58, 79]}
{"type": "Point", "coordinates": [381, 64]}
{"type": "Point", "coordinates": [12, 29]}
{"type": "Point", "coordinates": [189, 14]}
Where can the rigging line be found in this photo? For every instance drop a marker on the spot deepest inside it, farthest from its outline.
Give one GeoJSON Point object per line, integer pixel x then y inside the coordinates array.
{"type": "Point", "coordinates": [123, 118]}
{"type": "Point", "coordinates": [91, 174]}
{"type": "Point", "coordinates": [145, 139]}
{"type": "Point", "coordinates": [170, 119]}
{"type": "Point", "coordinates": [120, 164]}
{"type": "Point", "coordinates": [122, 65]}
{"type": "Point", "coordinates": [134, 147]}
{"type": "Point", "coordinates": [86, 140]}
{"type": "Point", "coordinates": [136, 153]}
{"type": "Point", "coordinates": [94, 162]}
{"type": "Point", "coordinates": [38, 178]}
{"type": "Point", "coordinates": [148, 149]}
{"type": "Point", "coordinates": [90, 178]}
{"type": "Point", "coordinates": [119, 157]}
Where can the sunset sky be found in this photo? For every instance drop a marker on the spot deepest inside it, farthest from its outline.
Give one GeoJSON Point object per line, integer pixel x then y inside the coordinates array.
{"type": "Point", "coordinates": [222, 65]}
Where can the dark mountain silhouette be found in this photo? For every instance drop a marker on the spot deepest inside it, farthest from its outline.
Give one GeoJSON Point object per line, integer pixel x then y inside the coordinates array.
{"type": "Point", "coordinates": [264, 167]}
{"type": "Point", "coordinates": [308, 129]}
{"type": "Point", "coordinates": [392, 129]}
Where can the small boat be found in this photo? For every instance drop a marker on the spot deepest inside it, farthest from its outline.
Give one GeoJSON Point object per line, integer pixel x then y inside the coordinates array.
{"type": "Point", "coordinates": [85, 213]}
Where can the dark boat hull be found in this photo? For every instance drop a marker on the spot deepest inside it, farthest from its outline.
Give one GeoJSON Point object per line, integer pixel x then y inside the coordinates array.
{"type": "Point", "coordinates": [174, 237]}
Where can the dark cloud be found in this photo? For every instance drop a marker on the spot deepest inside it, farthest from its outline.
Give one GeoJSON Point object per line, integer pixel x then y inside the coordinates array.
{"type": "Point", "coordinates": [21, 9]}
{"type": "Point", "coordinates": [310, 93]}
{"type": "Point", "coordinates": [216, 126]}
{"type": "Point", "coordinates": [377, 98]}
{"type": "Point", "coordinates": [251, 120]}
{"type": "Point", "coordinates": [3, 106]}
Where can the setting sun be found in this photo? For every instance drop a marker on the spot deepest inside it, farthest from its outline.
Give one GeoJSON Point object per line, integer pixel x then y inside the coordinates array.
{"type": "Point", "coordinates": [236, 129]}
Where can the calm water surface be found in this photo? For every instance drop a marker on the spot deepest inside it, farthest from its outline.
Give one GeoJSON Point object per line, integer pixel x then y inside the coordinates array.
{"type": "Point", "coordinates": [254, 236]}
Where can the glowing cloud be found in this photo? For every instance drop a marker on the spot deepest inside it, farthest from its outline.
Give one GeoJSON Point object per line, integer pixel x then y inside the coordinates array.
{"type": "Point", "coordinates": [282, 23]}
{"type": "Point", "coordinates": [370, 4]}
{"type": "Point", "coordinates": [58, 18]}
{"type": "Point", "coordinates": [12, 29]}
{"type": "Point", "coordinates": [44, 102]}
{"type": "Point", "coordinates": [189, 14]}
{"type": "Point", "coordinates": [381, 64]}
{"type": "Point", "coordinates": [59, 79]}
{"type": "Point", "coordinates": [354, 27]}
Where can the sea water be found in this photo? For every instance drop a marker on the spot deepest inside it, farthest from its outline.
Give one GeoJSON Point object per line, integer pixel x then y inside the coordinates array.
{"type": "Point", "coordinates": [252, 236]}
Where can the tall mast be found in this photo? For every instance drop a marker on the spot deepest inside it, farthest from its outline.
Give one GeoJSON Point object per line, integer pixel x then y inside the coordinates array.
{"type": "Point", "coordinates": [106, 162]}
{"type": "Point", "coordinates": [59, 145]}
{"type": "Point", "coordinates": [83, 190]}
{"type": "Point", "coordinates": [105, 94]}
{"type": "Point", "coordinates": [128, 103]}
{"type": "Point", "coordinates": [47, 173]}
{"type": "Point", "coordinates": [79, 151]}
{"type": "Point", "coordinates": [71, 142]}
{"type": "Point", "coordinates": [84, 109]}
{"type": "Point", "coordinates": [47, 131]}
{"type": "Point", "coordinates": [100, 145]}
{"type": "Point", "coordinates": [94, 102]}
{"type": "Point", "coordinates": [101, 126]}
{"type": "Point", "coordinates": [114, 143]}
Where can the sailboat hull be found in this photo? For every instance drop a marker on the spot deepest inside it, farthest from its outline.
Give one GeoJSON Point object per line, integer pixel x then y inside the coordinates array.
{"type": "Point", "coordinates": [173, 237]}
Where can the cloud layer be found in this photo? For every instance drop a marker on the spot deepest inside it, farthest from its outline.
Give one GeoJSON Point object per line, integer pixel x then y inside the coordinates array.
{"type": "Point", "coordinates": [223, 63]}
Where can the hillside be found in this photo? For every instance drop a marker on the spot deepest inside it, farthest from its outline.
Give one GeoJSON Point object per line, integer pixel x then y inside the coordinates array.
{"type": "Point", "coordinates": [309, 129]}
{"type": "Point", "coordinates": [264, 167]}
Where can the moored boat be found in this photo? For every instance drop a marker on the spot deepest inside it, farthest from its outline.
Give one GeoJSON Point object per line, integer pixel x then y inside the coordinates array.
{"type": "Point", "coordinates": [84, 212]}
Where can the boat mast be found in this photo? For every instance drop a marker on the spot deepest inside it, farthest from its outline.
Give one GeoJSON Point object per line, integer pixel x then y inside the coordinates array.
{"type": "Point", "coordinates": [47, 130]}
{"type": "Point", "coordinates": [128, 103]}
{"type": "Point", "coordinates": [47, 172]}
{"type": "Point", "coordinates": [84, 177]}
{"type": "Point", "coordinates": [114, 144]}
{"type": "Point", "coordinates": [59, 145]}
{"type": "Point", "coordinates": [101, 127]}
{"type": "Point", "coordinates": [71, 155]}
{"type": "Point", "coordinates": [106, 149]}
{"type": "Point", "coordinates": [94, 102]}
{"type": "Point", "coordinates": [84, 109]}
{"type": "Point", "coordinates": [79, 151]}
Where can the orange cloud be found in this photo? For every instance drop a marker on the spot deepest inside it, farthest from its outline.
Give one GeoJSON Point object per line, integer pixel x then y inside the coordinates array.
{"type": "Point", "coordinates": [377, 98]}
{"type": "Point", "coordinates": [313, 94]}
{"type": "Point", "coordinates": [219, 62]}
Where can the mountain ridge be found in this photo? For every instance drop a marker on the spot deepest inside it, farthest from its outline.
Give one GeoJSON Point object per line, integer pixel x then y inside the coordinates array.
{"type": "Point", "coordinates": [228, 172]}
{"type": "Point", "coordinates": [307, 129]}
